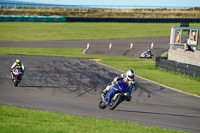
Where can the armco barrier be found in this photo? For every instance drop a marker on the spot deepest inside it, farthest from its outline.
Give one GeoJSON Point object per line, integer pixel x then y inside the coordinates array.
{"type": "Point", "coordinates": [14, 18]}
{"type": "Point", "coordinates": [186, 69]}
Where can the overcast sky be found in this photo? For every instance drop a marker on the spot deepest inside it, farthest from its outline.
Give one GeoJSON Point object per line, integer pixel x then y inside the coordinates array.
{"type": "Point", "coordinates": [120, 2]}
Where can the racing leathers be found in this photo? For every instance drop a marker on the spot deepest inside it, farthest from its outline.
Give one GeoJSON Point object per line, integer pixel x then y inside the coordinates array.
{"type": "Point", "coordinates": [130, 83]}
{"type": "Point", "coordinates": [17, 65]}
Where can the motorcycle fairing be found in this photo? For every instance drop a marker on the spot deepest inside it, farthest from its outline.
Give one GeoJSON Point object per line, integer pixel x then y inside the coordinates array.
{"type": "Point", "coordinates": [121, 86]}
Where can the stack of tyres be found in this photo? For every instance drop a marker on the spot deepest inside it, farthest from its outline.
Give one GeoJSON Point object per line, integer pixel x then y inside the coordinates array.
{"type": "Point", "coordinates": [186, 69]}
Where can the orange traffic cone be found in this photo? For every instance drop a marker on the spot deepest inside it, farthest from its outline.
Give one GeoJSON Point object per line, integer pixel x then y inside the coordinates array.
{"type": "Point", "coordinates": [131, 46]}
{"type": "Point", "coordinates": [88, 45]}
{"type": "Point", "coordinates": [152, 45]}
{"type": "Point", "coordinates": [110, 46]}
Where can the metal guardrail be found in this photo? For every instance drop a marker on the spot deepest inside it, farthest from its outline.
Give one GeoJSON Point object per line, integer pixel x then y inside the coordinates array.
{"type": "Point", "coordinates": [101, 11]}
{"type": "Point", "coordinates": [87, 7]}
{"type": "Point", "coordinates": [186, 69]}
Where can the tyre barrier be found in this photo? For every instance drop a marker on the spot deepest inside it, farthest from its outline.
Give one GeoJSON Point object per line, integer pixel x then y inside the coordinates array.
{"type": "Point", "coordinates": [17, 18]}
{"type": "Point", "coordinates": [133, 20]}
{"type": "Point", "coordinates": [186, 69]}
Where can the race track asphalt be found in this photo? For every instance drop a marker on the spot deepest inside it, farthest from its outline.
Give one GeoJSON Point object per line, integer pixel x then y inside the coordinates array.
{"type": "Point", "coordinates": [120, 47]}
{"type": "Point", "coordinates": [74, 86]}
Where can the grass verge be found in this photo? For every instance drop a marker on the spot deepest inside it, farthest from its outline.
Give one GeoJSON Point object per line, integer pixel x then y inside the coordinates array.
{"type": "Point", "coordinates": [27, 31]}
{"type": "Point", "coordinates": [143, 67]}
{"type": "Point", "coordinates": [20, 120]}
{"type": "Point", "coordinates": [14, 119]}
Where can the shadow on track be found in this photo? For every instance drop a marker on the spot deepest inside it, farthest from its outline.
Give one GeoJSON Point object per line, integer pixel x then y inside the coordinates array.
{"type": "Point", "coordinates": [85, 77]}
{"type": "Point", "coordinates": [154, 113]}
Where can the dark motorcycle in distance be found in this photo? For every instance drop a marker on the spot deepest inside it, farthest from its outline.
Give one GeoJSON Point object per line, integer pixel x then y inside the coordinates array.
{"type": "Point", "coordinates": [118, 93]}
{"type": "Point", "coordinates": [146, 54]}
{"type": "Point", "coordinates": [16, 76]}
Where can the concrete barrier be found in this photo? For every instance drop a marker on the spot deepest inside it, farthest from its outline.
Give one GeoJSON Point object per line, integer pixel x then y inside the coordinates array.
{"type": "Point", "coordinates": [179, 55]}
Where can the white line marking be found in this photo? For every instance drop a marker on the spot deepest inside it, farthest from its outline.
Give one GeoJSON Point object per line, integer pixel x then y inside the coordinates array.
{"type": "Point", "coordinates": [84, 51]}
{"type": "Point", "coordinates": [154, 82]}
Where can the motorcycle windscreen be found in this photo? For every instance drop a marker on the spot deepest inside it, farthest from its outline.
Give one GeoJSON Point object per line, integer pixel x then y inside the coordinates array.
{"type": "Point", "coordinates": [125, 87]}
{"type": "Point", "coordinates": [17, 71]}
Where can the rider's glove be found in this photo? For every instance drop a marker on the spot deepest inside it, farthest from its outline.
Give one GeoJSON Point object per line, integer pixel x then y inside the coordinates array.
{"type": "Point", "coordinates": [132, 89]}
{"type": "Point", "coordinates": [132, 83]}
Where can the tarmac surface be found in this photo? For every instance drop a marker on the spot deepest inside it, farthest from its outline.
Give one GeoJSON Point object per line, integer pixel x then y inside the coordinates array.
{"type": "Point", "coordinates": [74, 85]}
{"type": "Point", "coordinates": [120, 47]}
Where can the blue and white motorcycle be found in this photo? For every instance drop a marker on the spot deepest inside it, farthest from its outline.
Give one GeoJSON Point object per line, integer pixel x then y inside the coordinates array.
{"type": "Point", "coordinates": [118, 93]}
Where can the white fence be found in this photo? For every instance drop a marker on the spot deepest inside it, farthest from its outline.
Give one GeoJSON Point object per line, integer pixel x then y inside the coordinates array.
{"type": "Point", "coordinates": [87, 7]}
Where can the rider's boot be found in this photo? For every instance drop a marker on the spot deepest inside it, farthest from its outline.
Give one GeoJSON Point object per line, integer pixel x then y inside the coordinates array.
{"type": "Point", "coordinates": [105, 91]}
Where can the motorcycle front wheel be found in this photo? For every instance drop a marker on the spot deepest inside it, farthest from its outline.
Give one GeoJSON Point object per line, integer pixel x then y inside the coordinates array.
{"type": "Point", "coordinates": [102, 104]}
{"type": "Point", "coordinates": [15, 81]}
{"type": "Point", "coordinates": [115, 102]}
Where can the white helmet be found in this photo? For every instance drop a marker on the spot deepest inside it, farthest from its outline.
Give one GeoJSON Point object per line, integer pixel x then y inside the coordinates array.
{"type": "Point", "coordinates": [130, 74]}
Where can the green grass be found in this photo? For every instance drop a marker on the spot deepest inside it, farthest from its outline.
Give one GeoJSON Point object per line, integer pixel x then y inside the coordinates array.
{"type": "Point", "coordinates": [146, 69]}
{"type": "Point", "coordinates": [20, 120]}
{"type": "Point", "coordinates": [143, 67]}
{"type": "Point", "coordinates": [198, 48]}
{"type": "Point", "coordinates": [27, 31]}
{"type": "Point", "coordinates": [14, 119]}
{"type": "Point", "coordinates": [65, 52]}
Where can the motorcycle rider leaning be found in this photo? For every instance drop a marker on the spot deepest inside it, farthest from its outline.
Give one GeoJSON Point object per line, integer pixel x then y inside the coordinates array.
{"type": "Point", "coordinates": [129, 79]}
{"type": "Point", "coordinates": [17, 64]}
